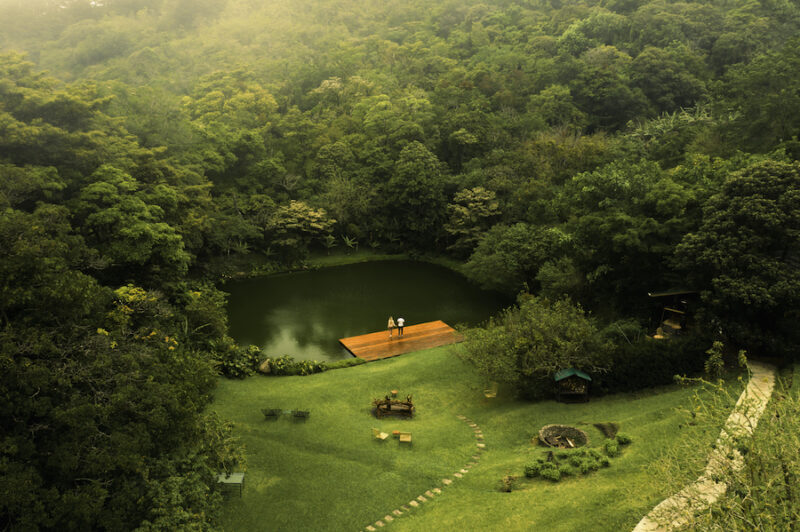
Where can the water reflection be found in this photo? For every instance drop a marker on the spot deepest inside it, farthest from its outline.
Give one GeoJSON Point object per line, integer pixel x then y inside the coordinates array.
{"type": "Point", "coordinates": [304, 314]}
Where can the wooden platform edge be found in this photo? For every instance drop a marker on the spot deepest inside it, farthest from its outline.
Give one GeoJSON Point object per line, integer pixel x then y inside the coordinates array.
{"type": "Point", "coordinates": [421, 336]}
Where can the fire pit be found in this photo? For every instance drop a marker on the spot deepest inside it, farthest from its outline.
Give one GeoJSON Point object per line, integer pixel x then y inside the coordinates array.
{"type": "Point", "coordinates": [562, 436]}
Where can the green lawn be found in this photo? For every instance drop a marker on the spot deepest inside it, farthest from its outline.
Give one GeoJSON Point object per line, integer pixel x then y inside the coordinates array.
{"type": "Point", "coordinates": [328, 473]}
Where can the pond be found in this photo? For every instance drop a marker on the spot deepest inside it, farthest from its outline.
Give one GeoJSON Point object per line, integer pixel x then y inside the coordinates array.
{"type": "Point", "coordinates": [304, 314]}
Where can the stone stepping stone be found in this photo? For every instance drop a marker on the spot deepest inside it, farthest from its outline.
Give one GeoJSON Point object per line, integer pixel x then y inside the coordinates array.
{"type": "Point", "coordinates": [388, 518]}
{"type": "Point", "coordinates": [473, 425]}
{"type": "Point", "coordinates": [422, 498]}
{"type": "Point", "coordinates": [415, 504]}
{"type": "Point", "coordinates": [479, 437]}
{"type": "Point", "coordinates": [482, 446]}
{"type": "Point", "coordinates": [459, 416]}
{"type": "Point", "coordinates": [371, 528]}
{"type": "Point", "coordinates": [473, 464]}
{"type": "Point", "coordinates": [380, 524]}
{"type": "Point", "coordinates": [437, 491]}
{"type": "Point", "coordinates": [429, 494]}
{"type": "Point", "coordinates": [457, 475]}
{"type": "Point", "coordinates": [398, 513]}
{"type": "Point", "coordinates": [406, 508]}
{"type": "Point", "coordinates": [476, 457]}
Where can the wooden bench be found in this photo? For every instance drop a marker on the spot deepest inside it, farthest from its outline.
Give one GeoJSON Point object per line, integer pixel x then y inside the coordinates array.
{"type": "Point", "coordinates": [393, 407]}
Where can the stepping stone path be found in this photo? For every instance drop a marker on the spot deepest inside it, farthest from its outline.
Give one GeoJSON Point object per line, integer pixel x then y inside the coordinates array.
{"type": "Point", "coordinates": [431, 493]}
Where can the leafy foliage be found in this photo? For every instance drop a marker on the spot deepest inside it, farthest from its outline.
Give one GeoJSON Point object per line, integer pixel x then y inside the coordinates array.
{"type": "Point", "coordinates": [527, 344]}
{"type": "Point", "coordinates": [744, 254]}
{"type": "Point", "coordinates": [594, 151]}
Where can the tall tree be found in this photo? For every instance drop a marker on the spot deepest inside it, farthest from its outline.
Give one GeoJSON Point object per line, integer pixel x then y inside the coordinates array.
{"type": "Point", "coordinates": [745, 257]}
{"type": "Point", "coordinates": [415, 195]}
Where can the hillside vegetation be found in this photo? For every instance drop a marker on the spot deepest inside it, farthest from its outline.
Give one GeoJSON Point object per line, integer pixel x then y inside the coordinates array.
{"type": "Point", "coordinates": [150, 148]}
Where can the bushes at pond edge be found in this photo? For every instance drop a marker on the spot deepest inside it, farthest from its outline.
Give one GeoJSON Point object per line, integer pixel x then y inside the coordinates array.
{"type": "Point", "coordinates": [240, 362]}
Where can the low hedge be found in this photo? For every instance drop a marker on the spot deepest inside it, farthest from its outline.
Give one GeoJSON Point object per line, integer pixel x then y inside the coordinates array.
{"type": "Point", "coordinates": [646, 363]}
{"type": "Point", "coordinates": [286, 365]}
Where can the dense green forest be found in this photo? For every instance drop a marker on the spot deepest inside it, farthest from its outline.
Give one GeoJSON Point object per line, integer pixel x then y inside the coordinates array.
{"type": "Point", "coordinates": [149, 148]}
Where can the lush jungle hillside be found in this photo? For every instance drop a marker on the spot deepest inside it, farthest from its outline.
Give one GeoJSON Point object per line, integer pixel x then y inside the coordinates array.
{"type": "Point", "coordinates": [149, 148]}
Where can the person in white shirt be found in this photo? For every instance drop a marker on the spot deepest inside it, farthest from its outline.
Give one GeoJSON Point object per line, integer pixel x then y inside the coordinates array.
{"type": "Point", "coordinates": [400, 322]}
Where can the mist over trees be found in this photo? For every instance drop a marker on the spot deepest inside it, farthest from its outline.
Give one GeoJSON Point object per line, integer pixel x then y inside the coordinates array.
{"type": "Point", "coordinates": [149, 148]}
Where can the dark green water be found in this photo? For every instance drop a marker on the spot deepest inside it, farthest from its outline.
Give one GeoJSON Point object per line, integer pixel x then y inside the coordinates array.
{"type": "Point", "coordinates": [304, 314]}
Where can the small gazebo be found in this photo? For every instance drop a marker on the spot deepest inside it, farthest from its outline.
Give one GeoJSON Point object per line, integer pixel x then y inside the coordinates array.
{"type": "Point", "coordinates": [572, 385]}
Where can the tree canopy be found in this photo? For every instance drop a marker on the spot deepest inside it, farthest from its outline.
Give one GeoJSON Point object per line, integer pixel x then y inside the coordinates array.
{"type": "Point", "coordinates": [151, 148]}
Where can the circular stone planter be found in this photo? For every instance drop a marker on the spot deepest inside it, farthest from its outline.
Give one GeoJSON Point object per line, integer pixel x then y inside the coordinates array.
{"type": "Point", "coordinates": [560, 436]}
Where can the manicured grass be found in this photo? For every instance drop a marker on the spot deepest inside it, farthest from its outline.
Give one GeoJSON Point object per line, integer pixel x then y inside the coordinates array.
{"type": "Point", "coordinates": [328, 473]}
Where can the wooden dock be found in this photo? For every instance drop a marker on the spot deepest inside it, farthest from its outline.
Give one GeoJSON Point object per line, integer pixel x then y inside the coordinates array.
{"type": "Point", "coordinates": [375, 346]}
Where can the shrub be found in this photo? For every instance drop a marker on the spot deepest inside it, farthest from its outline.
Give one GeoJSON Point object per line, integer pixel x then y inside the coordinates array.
{"type": "Point", "coordinates": [623, 439]}
{"type": "Point", "coordinates": [566, 470]}
{"type": "Point", "coordinates": [612, 448]}
{"type": "Point", "coordinates": [507, 483]}
{"type": "Point", "coordinates": [286, 365]}
{"type": "Point", "coordinates": [283, 365]}
{"type": "Point", "coordinates": [647, 363]}
{"type": "Point", "coordinates": [532, 470]}
{"type": "Point", "coordinates": [714, 365]}
{"type": "Point", "coordinates": [235, 361]}
{"type": "Point", "coordinates": [567, 463]}
{"type": "Point", "coordinates": [346, 363]}
{"type": "Point", "coordinates": [550, 474]}
{"type": "Point", "coordinates": [307, 367]}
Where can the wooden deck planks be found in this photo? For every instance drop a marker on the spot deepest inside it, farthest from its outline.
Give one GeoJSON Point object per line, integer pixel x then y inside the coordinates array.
{"type": "Point", "coordinates": [375, 346]}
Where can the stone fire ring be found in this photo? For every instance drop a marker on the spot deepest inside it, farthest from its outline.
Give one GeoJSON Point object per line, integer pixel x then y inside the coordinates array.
{"type": "Point", "coordinates": [551, 432]}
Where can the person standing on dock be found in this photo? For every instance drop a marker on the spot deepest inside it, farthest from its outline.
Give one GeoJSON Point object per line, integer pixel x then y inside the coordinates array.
{"type": "Point", "coordinates": [390, 326]}
{"type": "Point", "coordinates": [400, 322]}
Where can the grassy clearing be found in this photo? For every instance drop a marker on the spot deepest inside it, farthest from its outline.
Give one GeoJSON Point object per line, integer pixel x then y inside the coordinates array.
{"type": "Point", "coordinates": [330, 474]}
